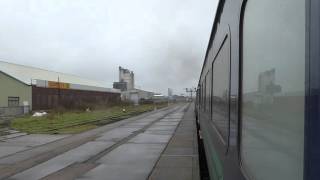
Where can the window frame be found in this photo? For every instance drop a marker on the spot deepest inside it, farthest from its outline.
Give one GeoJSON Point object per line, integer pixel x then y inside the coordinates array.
{"type": "Point", "coordinates": [225, 142]}
{"type": "Point", "coordinates": [15, 99]}
{"type": "Point", "coordinates": [312, 125]}
{"type": "Point", "coordinates": [202, 96]}
{"type": "Point", "coordinates": [208, 91]}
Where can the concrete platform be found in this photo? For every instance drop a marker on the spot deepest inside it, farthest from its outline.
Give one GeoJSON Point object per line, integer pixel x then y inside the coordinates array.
{"type": "Point", "coordinates": [180, 160]}
{"type": "Point", "coordinates": [136, 158]}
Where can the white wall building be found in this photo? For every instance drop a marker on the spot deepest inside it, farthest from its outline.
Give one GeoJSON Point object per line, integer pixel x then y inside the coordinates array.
{"type": "Point", "coordinates": [136, 95]}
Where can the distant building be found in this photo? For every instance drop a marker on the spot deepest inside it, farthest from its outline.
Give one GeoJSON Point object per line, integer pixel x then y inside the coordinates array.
{"type": "Point", "coordinates": [170, 93]}
{"type": "Point", "coordinates": [126, 80]}
{"type": "Point", "coordinates": [127, 86]}
{"type": "Point", "coordinates": [38, 89]}
{"type": "Point", "coordinates": [136, 96]}
{"type": "Point", "coordinates": [180, 98]}
{"type": "Point", "coordinates": [267, 89]}
{"type": "Point", "coordinates": [266, 79]}
{"type": "Point", "coordinates": [159, 98]}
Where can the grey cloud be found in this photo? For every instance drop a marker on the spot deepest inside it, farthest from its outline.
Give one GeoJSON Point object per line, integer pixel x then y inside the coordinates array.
{"type": "Point", "coordinates": [163, 41]}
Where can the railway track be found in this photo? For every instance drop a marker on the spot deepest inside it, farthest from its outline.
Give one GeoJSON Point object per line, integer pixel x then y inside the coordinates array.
{"type": "Point", "coordinates": [22, 161]}
{"type": "Point", "coordinates": [100, 122]}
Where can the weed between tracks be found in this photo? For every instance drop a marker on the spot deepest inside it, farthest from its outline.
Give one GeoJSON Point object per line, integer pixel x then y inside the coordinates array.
{"type": "Point", "coordinates": [76, 122]}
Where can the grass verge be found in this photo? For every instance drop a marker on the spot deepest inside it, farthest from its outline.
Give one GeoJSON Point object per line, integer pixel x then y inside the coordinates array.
{"type": "Point", "coordinates": [76, 122]}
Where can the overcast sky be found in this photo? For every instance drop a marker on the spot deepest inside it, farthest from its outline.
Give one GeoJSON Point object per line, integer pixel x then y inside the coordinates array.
{"type": "Point", "coordinates": [162, 41]}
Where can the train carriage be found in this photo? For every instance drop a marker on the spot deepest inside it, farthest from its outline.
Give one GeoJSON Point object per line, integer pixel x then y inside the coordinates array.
{"type": "Point", "coordinates": [258, 103]}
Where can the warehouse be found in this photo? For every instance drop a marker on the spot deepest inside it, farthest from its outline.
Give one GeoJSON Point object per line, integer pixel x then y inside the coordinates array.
{"type": "Point", "coordinates": [26, 88]}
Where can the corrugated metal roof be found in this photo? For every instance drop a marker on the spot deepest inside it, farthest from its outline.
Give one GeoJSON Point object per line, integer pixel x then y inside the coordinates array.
{"type": "Point", "coordinates": [27, 75]}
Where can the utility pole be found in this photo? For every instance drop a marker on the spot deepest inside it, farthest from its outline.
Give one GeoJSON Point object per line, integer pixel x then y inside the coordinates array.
{"type": "Point", "coordinates": [170, 93]}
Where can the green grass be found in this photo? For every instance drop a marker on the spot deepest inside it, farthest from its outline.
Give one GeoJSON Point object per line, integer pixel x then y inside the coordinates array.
{"type": "Point", "coordinates": [76, 122]}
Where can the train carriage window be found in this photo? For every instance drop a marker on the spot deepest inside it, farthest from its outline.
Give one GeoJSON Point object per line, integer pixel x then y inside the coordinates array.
{"type": "Point", "coordinates": [199, 97]}
{"type": "Point", "coordinates": [203, 101]}
{"type": "Point", "coordinates": [208, 92]}
{"type": "Point", "coordinates": [203, 95]}
{"type": "Point", "coordinates": [220, 97]}
{"type": "Point", "coordinates": [273, 93]}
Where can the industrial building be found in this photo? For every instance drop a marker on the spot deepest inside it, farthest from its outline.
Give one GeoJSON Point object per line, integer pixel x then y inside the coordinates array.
{"type": "Point", "coordinates": [26, 88]}
{"type": "Point", "coordinates": [126, 80]}
{"type": "Point", "coordinates": [127, 86]}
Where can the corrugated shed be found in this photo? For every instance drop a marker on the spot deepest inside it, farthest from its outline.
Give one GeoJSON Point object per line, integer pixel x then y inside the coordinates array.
{"type": "Point", "coordinates": [29, 75]}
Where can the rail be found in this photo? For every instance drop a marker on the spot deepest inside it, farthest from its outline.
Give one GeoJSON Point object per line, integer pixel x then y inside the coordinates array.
{"type": "Point", "coordinates": [100, 122]}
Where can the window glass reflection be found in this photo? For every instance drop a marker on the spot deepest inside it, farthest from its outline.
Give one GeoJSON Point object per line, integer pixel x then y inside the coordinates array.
{"type": "Point", "coordinates": [273, 89]}
{"type": "Point", "coordinates": [220, 98]}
